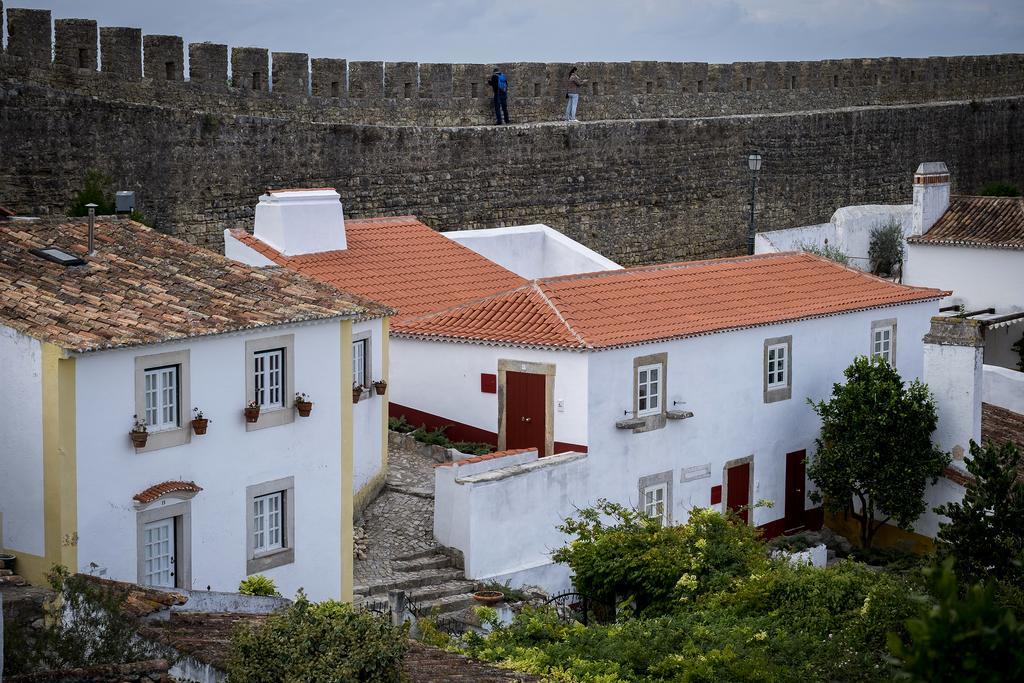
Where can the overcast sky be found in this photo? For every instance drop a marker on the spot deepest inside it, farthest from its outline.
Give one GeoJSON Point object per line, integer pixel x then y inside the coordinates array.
{"type": "Point", "coordinates": [575, 30]}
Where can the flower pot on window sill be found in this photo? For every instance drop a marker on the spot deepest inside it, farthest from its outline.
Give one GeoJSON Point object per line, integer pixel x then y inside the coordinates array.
{"type": "Point", "coordinates": [252, 414]}
{"type": "Point", "coordinates": [357, 393]}
{"type": "Point", "coordinates": [304, 408]}
{"type": "Point", "coordinates": [139, 438]}
{"type": "Point", "coordinates": [199, 426]}
{"type": "Point", "coordinates": [380, 387]}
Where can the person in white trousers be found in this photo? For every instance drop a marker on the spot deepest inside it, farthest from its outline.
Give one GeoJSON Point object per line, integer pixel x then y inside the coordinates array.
{"type": "Point", "coordinates": [572, 94]}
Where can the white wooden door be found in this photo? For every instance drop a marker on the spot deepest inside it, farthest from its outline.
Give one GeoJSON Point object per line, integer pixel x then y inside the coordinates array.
{"type": "Point", "coordinates": [158, 553]}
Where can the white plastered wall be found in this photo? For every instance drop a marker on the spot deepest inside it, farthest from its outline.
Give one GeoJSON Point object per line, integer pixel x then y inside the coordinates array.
{"type": "Point", "coordinates": [21, 443]}
{"type": "Point", "coordinates": [223, 462]}
{"type": "Point", "coordinates": [367, 413]}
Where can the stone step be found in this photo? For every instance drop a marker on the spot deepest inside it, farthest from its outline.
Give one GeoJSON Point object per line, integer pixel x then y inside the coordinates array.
{"type": "Point", "coordinates": [447, 604]}
{"type": "Point", "coordinates": [419, 564]}
{"type": "Point", "coordinates": [408, 580]}
{"type": "Point", "coordinates": [440, 590]}
{"type": "Point", "coordinates": [436, 550]}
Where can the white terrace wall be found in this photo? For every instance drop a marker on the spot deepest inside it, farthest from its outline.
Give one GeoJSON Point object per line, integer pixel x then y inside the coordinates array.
{"type": "Point", "coordinates": [533, 251]}
{"type": "Point", "coordinates": [223, 462]}
{"type": "Point", "coordinates": [979, 278]}
{"type": "Point", "coordinates": [1003, 387]}
{"type": "Point", "coordinates": [21, 443]}
{"type": "Point", "coordinates": [443, 378]}
{"type": "Point", "coordinates": [719, 378]}
{"type": "Point", "coordinates": [367, 417]}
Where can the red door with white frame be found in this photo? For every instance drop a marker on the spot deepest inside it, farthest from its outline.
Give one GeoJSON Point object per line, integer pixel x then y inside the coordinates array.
{"type": "Point", "coordinates": [738, 494]}
{"type": "Point", "coordinates": [525, 397]}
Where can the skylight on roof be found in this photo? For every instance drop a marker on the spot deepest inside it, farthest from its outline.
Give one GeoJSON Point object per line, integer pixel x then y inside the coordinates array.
{"type": "Point", "coordinates": [57, 256]}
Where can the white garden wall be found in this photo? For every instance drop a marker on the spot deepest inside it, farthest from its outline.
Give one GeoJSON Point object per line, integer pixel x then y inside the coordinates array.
{"type": "Point", "coordinates": [979, 278]}
{"type": "Point", "coordinates": [21, 443]}
{"type": "Point", "coordinates": [1002, 387]}
{"type": "Point", "coordinates": [366, 414]}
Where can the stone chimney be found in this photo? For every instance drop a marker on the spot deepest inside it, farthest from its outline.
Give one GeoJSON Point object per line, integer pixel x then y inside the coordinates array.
{"type": "Point", "coordinates": [953, 356]}
{"type": "Point", "coordinates": [301, 221]}
{"type": "Point", "coordinates": [931, 195]}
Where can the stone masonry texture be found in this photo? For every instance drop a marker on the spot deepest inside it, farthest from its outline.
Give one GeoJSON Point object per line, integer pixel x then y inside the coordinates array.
{"type": "Point", "coordinates": [75, 43]}
{"type": "Point", "coordinates": [29, 34]}
{"type": "Point", "coordinates": [164, 58]}
{"type": "Point", "coordinates": [656, 173]}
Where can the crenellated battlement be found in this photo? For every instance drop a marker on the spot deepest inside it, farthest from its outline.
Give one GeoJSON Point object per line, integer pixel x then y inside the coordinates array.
{"type": "Point", "coordinates": [121, 64]}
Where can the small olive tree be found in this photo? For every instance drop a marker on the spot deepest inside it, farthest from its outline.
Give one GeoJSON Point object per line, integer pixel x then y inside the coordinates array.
{"type": "Point", "coordinates": [875, 447]}
{"type": "Point", "coordinates": [885, 248]}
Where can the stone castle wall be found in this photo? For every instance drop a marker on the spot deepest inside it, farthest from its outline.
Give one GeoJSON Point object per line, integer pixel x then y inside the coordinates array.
{"type": "Point", "coordinates": [669, 182]}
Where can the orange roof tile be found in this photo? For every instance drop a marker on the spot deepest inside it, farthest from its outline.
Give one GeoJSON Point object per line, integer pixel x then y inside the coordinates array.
{"type": "Point", "coordinates": [163, 488]}
{"type": "Point", "coordinates": [486, 456]}
{"type": "Point", "coordinates": [401, 262]}
{"type": "Point", "coordinates": [636, 305]}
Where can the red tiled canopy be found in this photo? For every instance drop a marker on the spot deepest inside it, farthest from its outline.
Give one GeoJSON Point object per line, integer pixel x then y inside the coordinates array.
{"type": "Point", "coordinates": [159, 490]}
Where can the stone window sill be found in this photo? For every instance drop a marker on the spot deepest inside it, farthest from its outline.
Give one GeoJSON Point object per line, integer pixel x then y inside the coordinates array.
{"type": "Point", "coordinates": [678, 414]}
{"type": "Point", "coordinates": [274, 558]}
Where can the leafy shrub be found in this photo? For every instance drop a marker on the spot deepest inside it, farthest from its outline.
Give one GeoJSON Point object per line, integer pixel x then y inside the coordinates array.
{"type": "Point", "coordinates": [621, 555]}
{"type": "Point", "coordinates": [794, 543]}
{"type": "Point", "coordinates": [827, 250]}
{"type": "Point", "coordinates": [961, 639]}
{"type": "Point", "coordinates": [999, 188]}
{"type": "Point", "coordinates": [257, 584]}
{"type": "Point", "coordinates": [885, 248]}
{"type": "Point", "coordinates": [434, 437]}
{"type": "Point", "coordinates": [511, 594]}
{"type": "Point", "coordinates": [95, 190]}
{"type": "Point", "coordinates": [327, 641]}
{"type": "Point", "coordinates": [400, 424]}
{"type": "Point", "coordinates": [472, 447]}
{"type": "Point", "coordinates": [1018, 347]}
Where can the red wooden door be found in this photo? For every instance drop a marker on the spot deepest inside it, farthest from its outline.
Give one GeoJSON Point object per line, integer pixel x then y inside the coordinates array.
{"type": "Point", "coordinates": [796, 472]}
{"type": "Point", "coordinates": [524, 411]}
{"type": "Point", "coordinates": [738, 482]}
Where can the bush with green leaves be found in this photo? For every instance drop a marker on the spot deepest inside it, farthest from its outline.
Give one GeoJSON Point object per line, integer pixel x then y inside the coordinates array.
{"type": "Point", "coordinates": [400, 424]}
{"type": "Point", "coordinates": [1018, 348]}
{"type": "Point", "coordinates": [829, 251]}
{"type": "Point", "coordinates": [326, 641]}
{"type": "Point", "coordinates": [965, 637]}
{"type": "Point", "coordinates": [257, 584]}
{"type": "Point", "coordinates": [985, 531]}
{"type": "Point", "coordinates": [96, 189]}
{"type": "Point", "coordinates": [620, 555]}
{"type": "Point", "coordinates": [1000, 188]}
{"type": "Point", "coordinates": [885, 247]}
{"type": "Point", "coordinates": [875, 447]}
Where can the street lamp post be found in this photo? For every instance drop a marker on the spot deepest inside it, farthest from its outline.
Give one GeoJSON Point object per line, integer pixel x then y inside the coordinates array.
{"type": "Point", "coordinates": [754, 163]}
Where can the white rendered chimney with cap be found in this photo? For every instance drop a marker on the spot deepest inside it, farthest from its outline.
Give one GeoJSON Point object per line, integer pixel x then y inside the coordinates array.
{"type": "Point", "coordinates": [931, 195]}
{"type": "Point", "coordinates": [301, 221]}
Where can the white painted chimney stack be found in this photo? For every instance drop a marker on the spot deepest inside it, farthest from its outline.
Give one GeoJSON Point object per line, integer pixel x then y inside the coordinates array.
{"type": "Point", "coordinates": [931, 195]}
{"type": "Point", "coordinates": [301, 221]}
{"type": "Point", "coordinates": [954, 353]}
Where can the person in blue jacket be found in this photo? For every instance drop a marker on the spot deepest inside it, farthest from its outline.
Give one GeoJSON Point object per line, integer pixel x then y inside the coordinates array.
{"type": "Point", "coordinates": [499, 83]}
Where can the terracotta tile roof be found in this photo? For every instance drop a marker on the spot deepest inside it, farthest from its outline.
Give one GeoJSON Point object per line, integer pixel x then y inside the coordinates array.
{"type": "Point", "coordinates": [637, 305]}
{"type": "Point", "coordinates": [162, 489]}
{"type": "Point", "coordinates": [144, 287]}
{"type": "Point", "coordinates": [992, 222]}
{"type": "Point", "coordinates": [1000, 425]}
{"type": "Point", "coordinates": [401, 262]}
{"type": "Point", "coordinates": [487, 456]}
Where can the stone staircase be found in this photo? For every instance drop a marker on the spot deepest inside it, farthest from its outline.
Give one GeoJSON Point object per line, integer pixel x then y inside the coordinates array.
{"type": "Point", "coordinates": [428, 577]}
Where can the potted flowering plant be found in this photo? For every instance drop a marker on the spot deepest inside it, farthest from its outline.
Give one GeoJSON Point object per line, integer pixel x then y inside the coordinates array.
{"type": "Point", "coordinates": [380, 386]}
{"type": "Point", "coordinates": [252, 411]}
{"type": "Point", "coordinates": [199, 422]}
{"type": "Point", "coordinates": [357, 392]}
{"type": "Point", "coordinates": [139, 434]}
{"type": "Point", "coordinates": [303, 404]}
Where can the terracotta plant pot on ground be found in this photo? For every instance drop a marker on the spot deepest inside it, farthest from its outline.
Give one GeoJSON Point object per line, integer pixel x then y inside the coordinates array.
{"type": "Point", "coordinates": [139, 438]}
{"type": "Point", "coordinates": [357, 393]}
{"type": "Point", "coordinates": [199, 426]}
{"type": "Point", "coordinates": [304, 408]}
{"type": "Point", "coordinates": [380, 387]}
{"type": "Point", "coordinates": [252, 414]}
{"type": "Point", "coordinates": [489, 597]}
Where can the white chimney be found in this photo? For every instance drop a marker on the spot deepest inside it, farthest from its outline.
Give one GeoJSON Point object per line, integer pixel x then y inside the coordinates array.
{"type": "Point", "coordinates": [931, 195]}
{"type": "Point", "coordinates": [954, 351]}
{"type": "Point", "coordinates": [301, 221]}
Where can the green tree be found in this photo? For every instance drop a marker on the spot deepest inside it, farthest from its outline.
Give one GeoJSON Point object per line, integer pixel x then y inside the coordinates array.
{"type": "Point", "coordinates": [985, 532]}
{"type": "Point", "coordinates": [885, 248]}
{"type": "Point", "coordinates": [999, 188]}
{"type": "Point", "coordinates": [961, 639]}
{"type": "Point", "coordinates": [621, 555]}
{"type": "Point", "coordinates": [875, 447]}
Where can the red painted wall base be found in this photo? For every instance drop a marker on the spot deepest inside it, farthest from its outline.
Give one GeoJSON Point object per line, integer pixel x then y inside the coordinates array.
{"type": "Point", "coordinates": [813, 520]}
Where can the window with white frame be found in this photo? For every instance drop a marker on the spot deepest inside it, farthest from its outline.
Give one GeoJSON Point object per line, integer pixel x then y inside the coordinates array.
{"type": "Point", "coordinates": [778, 360]}
{"type": "Point", "coordinates": [883, 340]}
{"type": "Point", "coordinates": [359, 358]}
{"type": "Point", "coordinates": [648, 389]}
{"type": "Point", "coordinates": [655, 502]}
{"type": "Point", "coordinates": [162, 399]}
{"type": "Point", "coordinates": [268, 376]}
{"type": "Point", "coordinates": [268, 523]}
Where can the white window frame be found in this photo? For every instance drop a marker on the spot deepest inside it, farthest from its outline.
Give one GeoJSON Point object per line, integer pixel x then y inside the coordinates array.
{"type": "Point", "coordinates": [162, 399]}
{"type": "Point", "coordinates": [654, 482]}
{"type": "Point", "coordinates": [648, 504]}
{"type": "Point", "coordinates": [272, 414]}
{"type": "Point", "coordinates": [654, 400]}
{"type": "Point", "coordinates": [879, 327]}
{"type": "Point", "coordinates": [263, 554]}
{"type": "Point", "coordinates": [268, 523]}
{"type": "Point", "coordinates": [270, 371]}
{"type": "Point", "coordinates": [777, 377]}
{"type": "Point", "coordinates": [359, 365]}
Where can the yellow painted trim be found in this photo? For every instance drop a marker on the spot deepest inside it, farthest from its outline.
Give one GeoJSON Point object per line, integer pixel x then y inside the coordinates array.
{"type": "Point", "coordinates": [888, 536]}
{"type": "Point", "coordinates": [347, 460]}
{"type": "Point", "coordinates": [385, 359]}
